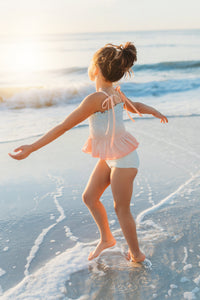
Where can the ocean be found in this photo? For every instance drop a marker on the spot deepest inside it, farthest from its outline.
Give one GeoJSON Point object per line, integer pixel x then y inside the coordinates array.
{"type": "Point", "coordinates": [46, 232]}
{"type": "Point", "coordinates": [44, 78]}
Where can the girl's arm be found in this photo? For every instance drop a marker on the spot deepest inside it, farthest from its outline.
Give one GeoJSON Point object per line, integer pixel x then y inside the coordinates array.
{"type": "Point", "coordinates": [88, 106]}
{"type": "Point", "coordinates": [145, 109]}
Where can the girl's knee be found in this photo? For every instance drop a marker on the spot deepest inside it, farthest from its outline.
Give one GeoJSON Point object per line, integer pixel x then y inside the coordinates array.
{"type": "Point", "coordinates": [85, 198]}
{"type": "Point", "coordinates": [88, 199]}
{"type": "Point", "coordinates": [121, 209]}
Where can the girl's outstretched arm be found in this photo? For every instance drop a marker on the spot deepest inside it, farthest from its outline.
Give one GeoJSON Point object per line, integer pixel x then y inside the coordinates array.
{"type": "Point", "coordinates": [88, 106]}
{"type": "Point", "coordinates": [146, 109]}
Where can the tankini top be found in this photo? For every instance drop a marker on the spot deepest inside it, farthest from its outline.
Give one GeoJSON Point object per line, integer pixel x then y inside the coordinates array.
{"type": "Point", "coordinates": [108, 137]}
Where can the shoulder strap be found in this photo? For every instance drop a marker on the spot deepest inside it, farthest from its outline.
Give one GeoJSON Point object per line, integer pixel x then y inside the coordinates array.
{"type": "Point", "coordinates": [126, 100]}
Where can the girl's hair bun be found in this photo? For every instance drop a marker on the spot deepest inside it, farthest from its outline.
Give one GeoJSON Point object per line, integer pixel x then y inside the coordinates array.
{"type": "Point", "coordinates": [116, 61]}
{"type": "Point", "coordinates": [129, 53]}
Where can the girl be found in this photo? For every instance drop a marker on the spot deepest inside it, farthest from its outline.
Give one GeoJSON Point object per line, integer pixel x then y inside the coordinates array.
{"type": "Point", "coordinates": [109, 141]}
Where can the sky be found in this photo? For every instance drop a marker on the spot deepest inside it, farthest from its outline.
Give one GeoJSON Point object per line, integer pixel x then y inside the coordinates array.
{"type": "Point", "coordinates": [22, 17]}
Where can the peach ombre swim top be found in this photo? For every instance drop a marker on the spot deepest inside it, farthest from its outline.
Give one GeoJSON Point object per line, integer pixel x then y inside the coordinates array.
{"type": "Point", "coordinates": [108, 137]}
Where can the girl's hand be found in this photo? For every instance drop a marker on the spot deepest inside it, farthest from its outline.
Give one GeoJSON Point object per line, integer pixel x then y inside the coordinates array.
{"type": "Point", "coordinates": [158, 115]}
{"type": "Point", "coordinates": [23, 152]}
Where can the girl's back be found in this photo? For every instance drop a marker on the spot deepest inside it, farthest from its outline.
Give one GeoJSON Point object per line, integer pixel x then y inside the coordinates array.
{"type": "Point", "coordinates": [108, 137]}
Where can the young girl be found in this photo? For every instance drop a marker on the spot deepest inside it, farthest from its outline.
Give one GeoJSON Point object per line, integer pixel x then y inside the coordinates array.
{"type": "Point", "coordinates": [109, 141]}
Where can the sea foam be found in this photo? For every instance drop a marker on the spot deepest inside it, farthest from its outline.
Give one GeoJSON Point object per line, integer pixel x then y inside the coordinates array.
{"type": "Point", "coordinates": [164, 201]}
{"type": "Point", "coordinates": [49, 281]}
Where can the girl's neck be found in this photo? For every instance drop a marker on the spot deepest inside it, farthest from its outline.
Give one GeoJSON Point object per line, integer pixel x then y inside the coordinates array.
{"type": "Point", "coordinates": [102, 84]}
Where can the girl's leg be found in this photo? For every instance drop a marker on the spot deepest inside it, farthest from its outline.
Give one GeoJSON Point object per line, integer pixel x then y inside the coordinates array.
{"type": "Point", "coordinates": [98, 182]}
{"type": "Point", "coordinates": [122, 188]}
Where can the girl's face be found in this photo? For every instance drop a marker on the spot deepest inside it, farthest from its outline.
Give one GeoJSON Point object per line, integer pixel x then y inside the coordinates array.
{"type": "Point", "coordinates": [92, 71]}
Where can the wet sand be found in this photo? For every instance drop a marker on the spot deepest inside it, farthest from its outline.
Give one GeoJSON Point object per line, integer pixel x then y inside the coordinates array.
{"type": "Point", "coordinates": [45, 225]}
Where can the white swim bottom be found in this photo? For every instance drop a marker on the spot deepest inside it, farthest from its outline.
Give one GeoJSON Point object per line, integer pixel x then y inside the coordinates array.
{"type": "Point", "coordinates": [131, 160]}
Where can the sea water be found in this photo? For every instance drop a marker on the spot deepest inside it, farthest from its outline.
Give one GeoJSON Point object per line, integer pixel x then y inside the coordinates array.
{"type": "Point", "coordinates": [46, 232]}
{"type": "Point", "coordinates": [44, 78]}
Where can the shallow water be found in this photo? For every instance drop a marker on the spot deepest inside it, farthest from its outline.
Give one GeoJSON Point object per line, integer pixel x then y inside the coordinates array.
{"type": "Point", "coordinates": [45, 225]}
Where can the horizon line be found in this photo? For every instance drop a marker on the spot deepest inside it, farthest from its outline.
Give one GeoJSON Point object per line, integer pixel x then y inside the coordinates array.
{"type": "Point", "coordinates": [98, 32]}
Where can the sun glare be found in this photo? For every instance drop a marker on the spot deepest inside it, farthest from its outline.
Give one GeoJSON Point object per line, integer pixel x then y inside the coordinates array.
{"type": "Point", "coordinates": [22, 56]}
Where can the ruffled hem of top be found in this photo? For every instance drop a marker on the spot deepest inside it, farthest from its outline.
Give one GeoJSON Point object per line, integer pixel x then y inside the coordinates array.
{"type": "Point", "coordinates": [123, 145]}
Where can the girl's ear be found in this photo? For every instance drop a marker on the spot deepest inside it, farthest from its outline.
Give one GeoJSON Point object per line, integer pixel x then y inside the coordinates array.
{"type": "Point", "coordinates": [93, 71]}
{"type": "Point", "coordinates": [96, 70]}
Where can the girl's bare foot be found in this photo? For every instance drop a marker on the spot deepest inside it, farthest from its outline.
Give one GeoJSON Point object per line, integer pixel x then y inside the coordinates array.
{"type": "Point", "coordinates": [100, 247]}
{"type": "Point", "coordinates": [139, 258]}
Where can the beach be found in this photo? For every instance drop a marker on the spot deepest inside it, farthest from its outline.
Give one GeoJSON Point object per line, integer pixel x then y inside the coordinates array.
{"type": "Point", "coordinates": [46, 231]}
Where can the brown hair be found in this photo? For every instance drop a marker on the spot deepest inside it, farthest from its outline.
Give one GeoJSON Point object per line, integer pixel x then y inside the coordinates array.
{"type": "Point", "coordinates": [115, 61]}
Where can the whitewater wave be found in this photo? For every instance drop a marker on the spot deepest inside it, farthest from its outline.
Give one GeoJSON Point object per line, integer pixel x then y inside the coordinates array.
{"type": "Point", "coordinates": [35, 97]}
{"type": "Point", "coordinates": [44, 97]}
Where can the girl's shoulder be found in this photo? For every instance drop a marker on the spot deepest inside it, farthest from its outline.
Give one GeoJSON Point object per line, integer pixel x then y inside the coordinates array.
{"type": "Point", "coordinates": [96, 99]}
{"type": "Point", "coordinates": [99, 94]}
{"type": "Point", "coordinates": [93, 102]}
{"type": "Point", "coordinates": [106, 101]}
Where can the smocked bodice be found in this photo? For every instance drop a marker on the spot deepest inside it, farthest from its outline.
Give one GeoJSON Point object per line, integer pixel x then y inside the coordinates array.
{"type": "Point", "coordinates": [108, 137]}
{"type": "Point", "coordinates": [98, 122]}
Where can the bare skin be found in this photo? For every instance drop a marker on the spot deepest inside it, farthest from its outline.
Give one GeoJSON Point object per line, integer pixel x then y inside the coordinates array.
{"type": "Point", "coordinates": [102, 245]}
{"type": "Point", "coordinates": [98, 182]}
{"type": "Point", "coordinates": [139, 258]}
{"type": "Point", "coordinates": [121, 181]}
{"type": "Point", "coordinates": [122, 189]}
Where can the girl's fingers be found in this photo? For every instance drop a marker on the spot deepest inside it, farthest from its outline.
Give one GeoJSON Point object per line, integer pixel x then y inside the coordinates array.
{"type": "Point", "coordinates": [164, 119]}
{"type": "Point", "coordinates": [11, 155]}
{"type": "Point", "coordinates": [23, 152]}
{"type": "Point", "coordinates": [18, 149]}
{"type": "Point", "coordinates": [17, 156]}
